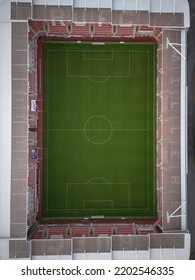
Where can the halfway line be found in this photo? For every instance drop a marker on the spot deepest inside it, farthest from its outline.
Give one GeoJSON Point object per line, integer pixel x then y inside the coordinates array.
{"type": "Point", "coordinates": [96, 129]}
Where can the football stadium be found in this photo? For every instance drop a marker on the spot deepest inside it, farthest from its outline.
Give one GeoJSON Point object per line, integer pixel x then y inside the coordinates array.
{"type": "Point", "coordinates": [93, 129]}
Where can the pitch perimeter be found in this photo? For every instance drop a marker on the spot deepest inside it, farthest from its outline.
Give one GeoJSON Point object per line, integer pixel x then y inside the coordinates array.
{"type": "Point", "coordinates": [98, 130]}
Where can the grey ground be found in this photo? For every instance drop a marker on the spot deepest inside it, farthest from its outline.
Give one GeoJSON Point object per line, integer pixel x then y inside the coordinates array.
{"type": "Point", "coordinates": [191, 127]}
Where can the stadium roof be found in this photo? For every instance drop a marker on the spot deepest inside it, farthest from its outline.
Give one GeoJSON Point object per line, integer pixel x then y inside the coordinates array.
{"type": "Point", "coordinates": [151, 6]}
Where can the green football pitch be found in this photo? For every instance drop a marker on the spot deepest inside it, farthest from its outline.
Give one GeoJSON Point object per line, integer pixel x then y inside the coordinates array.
{"type": "Point", "coordinates": [99, 130]}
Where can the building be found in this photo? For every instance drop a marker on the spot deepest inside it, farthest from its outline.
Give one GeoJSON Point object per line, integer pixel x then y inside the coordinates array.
{"type": "Point", "coordinates": [23, 22]}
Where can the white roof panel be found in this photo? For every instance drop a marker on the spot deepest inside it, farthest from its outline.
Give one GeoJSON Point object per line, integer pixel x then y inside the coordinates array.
{"type": "Point", "coordinates": [105, 4]}
{"type": "Point", "coordinates": [143, 5]}
{"type": "Point", "coordinates": [5, 128]}
{"type": "Point", "coordinates": [39, 2]}
{"type": "Point", "coordinates": [79, 3]}
{"type": "Point", "coordinates": [52, 2]}
{"type": "Point", "coordinates": [66, 2]}
{"type": "Point", "coordinates": [5, 8]}
{"type": "Point", "coordinates": [92, 3]}
{"type": "Point", "coordinates": [130, 5]}
{"type": "Point", "coordinates": [168, 5]}
{"type": "Point", "coordinates": [117, 5]}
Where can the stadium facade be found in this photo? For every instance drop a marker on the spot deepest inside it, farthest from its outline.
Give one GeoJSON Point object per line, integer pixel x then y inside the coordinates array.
{"type": "Point", "coordinates": [22, 24]}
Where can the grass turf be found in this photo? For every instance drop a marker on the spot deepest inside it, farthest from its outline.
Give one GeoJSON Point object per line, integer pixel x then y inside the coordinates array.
{"type": "Point", "coordinates": [98, 130]}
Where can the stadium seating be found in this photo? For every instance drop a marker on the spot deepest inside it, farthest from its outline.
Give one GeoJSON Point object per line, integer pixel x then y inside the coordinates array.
{"type": "Point", "coordinates": [126, 31]}
{"type": "Point", "coordinates": [77, 231]}
{"type": "Point", "coordinates": [56, 231]}
{"type": "Point", "coordinates": [103, 29]}
{"type": "Point", "coordinates": [102, 230]}
{"type": "Point", "coordinates": [80, 28]}
{"type": "Point", "coordinates": [168, 132]}
{"type": "Point", "coordinates": [39, 234]}
{"type": "Point", "coordinates": [158, 32]}
{"type": "Point", "coordinates": [93, 230]}
{"type": "Point", "coordinates": [57, 27]}
{"type": "Point", "coordinates": [35, 27]}
{"type": "Point", "coordinates": [125, 229]}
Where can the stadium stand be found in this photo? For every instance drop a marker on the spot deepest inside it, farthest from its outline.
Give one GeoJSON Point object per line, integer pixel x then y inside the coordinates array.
{"type": "Point", "coordinates": [126, 30]}
{"type": "Point", "coordinates": [102, 230]}
{"type": "Point", "coordinates": [28, 238]}
{"type": "Point", "coordinates": [40, 232]}
{"type": "Point", "coordinates": [50, 247]}
{"type": "Point", "coordinates": [56, 232]}
{"type": "Point", "coordinates": [19, 129]}
{"type": "Point", "coordinates": [125, 229]}
{"type": "Point", "coordinates": [145, 231]}
{"type": "Point", "coordinates": [103, 29]}
{"type": "Point", "coordinates": [168, 132]}
{"type": "Point", "coordinates": [80, 230]}
{"type": "Point", "coordinates": [80, 29]}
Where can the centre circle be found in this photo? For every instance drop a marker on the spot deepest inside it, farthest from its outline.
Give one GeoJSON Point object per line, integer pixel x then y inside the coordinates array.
{"type": "Point", "coordinates": [98, 129]}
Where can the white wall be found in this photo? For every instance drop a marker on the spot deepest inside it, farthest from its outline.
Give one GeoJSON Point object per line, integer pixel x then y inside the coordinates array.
{"type": "Point", "coordinates": [4, 249]}
{"type": "Point", "coordinates": [52, 257]}
{"type": "Point", "coordinates": [5, 9]}
{"type": "Point", "coordinates": [5, 128]}
{"type": "Point", "coordinates": [91, 256]}
{"type": "Point", "coordinates": [130, 255]}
